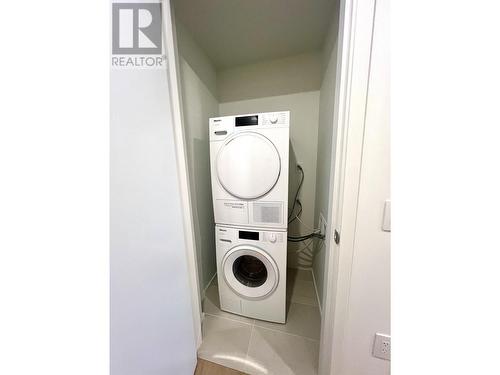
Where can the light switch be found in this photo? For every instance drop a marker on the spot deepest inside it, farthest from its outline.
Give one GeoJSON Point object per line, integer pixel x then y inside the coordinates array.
{"type": "Point", "coordinates": [386, 221]}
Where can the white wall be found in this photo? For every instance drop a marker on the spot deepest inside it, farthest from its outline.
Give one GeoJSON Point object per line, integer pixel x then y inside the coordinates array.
{"type": "Point", "coordinates": [326, 140]}
{"type": "Point", "coordinates": [199, 104]}
{"type": "Point", "coordinates": [151, 326]}
{"type": "Point", "coordinates": [369, 295]}
{"type": "Point", "coordinates": [196, 57]}
{"type": "Point", "coordinates": [288, 75]}
{"type": "Point", "coordinates": [304, 137]}
{"type": "Point", "coordinates": [331, 40]}
{"type": "Point", "coordinates": [198, 86]}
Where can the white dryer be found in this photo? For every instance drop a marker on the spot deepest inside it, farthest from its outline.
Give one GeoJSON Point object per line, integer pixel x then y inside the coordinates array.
{"type": "Point", "coordinates": [249, 156]}
{"type": "Point", "coordinates": [251, 272]}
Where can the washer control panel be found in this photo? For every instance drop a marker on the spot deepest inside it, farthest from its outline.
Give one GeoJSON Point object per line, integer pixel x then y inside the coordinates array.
{"type": "Point", "coordinates": [227, 234]}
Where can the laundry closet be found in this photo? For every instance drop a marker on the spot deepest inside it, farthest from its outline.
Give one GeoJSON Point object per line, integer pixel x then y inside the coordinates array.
{"type": "Point", "coordinates": [261, 59]}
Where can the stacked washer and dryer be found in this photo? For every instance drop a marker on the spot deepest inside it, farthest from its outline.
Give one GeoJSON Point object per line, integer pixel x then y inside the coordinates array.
{"type": "Point", "coordinates": [249, 159]}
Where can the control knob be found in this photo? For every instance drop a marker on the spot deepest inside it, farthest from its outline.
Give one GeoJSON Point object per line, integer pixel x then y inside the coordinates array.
{"type": "Point", "coordinates": [272, 237]}
{"type": "Point", "coordinates": [273, 118]}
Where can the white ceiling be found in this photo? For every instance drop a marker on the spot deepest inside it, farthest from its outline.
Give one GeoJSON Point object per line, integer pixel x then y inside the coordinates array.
{"type": "Point", "coordinates": [238, 32]}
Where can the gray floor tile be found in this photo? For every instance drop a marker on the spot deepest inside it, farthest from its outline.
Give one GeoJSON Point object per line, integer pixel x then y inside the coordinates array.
{"type": "Point", "coordinates": [225, 342]}
{"type": "Point", "coordinates": [275, 353]}
{"type": "Point", "coordinates": [301, 320]}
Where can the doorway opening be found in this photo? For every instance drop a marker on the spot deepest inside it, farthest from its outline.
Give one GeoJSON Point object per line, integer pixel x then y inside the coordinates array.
{"type": "Point", "coordinates": [228, 68]}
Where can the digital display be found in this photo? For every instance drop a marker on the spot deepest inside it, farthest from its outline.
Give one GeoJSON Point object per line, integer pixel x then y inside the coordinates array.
{"type": "Point", "coordinates": [247, 120]}
{"type": "Point", "coordinates": [244, 235]}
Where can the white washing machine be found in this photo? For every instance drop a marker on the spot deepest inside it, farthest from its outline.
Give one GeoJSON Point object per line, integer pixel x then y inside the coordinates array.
{"type": "Point", "coordinates": [249, 156]}
{"type": "Point", "coordinates": [251, 272]}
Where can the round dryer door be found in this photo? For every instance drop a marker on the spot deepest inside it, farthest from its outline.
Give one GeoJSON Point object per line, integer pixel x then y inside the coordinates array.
{"type": "Point", "coordinates": [248, 165]}
{"type": "Point", "coordinates": [250, 272]}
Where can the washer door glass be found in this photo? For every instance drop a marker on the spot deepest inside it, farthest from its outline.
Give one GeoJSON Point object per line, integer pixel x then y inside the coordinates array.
{"type": "Point", "coordinates": [248, 165]}
{"type": "Point", "coordinates": [250, 272]}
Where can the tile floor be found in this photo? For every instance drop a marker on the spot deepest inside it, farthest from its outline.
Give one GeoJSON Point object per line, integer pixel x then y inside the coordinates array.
{"type": "Point", "coordinates": [258, 347]}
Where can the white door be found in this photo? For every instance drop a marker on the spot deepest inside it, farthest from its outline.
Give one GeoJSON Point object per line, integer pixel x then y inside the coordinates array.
{"type": "Point", "coordinates": [370, 289]}
{"type": "Point", "coordinates": [151, 322]}
{"type": "Point", "coordinates": [357, 299]}
{"type": "Point", "coordinates": [248, 165]}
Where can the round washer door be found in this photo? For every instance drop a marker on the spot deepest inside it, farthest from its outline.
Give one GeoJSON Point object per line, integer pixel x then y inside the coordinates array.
{"type": "Point", "coordinates": [248, 165]}
{"type": "Point", "coordinates": [250, 272]}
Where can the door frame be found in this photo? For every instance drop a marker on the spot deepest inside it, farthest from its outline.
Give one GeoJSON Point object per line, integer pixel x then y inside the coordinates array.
{"type": "Point", "coordinates": [173, 75]}
{"type": "Point", "coordinates": [355, 34]}
{"type": "Point", "coordinates": [351, 88]}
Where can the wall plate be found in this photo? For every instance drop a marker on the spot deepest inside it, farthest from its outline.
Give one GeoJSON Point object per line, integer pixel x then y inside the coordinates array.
{"type": "Point", "coordinates": [382, 346]}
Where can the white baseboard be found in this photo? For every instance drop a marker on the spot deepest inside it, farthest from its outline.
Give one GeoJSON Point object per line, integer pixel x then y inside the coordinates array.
{"type": "Point", "coordinates": [317, 294]}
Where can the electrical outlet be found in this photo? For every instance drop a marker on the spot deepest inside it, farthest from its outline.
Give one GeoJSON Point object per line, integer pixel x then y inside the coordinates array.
{"type": "Point", "coordinates": [382, 346]}
{"type": "Point", "coordinates": [322, 225]}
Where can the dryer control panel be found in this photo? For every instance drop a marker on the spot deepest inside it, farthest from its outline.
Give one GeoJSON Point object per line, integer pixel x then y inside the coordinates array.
{"type": "Point", "coordinates": [221, 127]}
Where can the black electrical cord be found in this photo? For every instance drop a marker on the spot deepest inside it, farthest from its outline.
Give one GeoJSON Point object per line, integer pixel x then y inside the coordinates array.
{"type": "Point", "coordinates": [297, 193]}
{"type": "Point", "coordinates": [298, 213]}
{"type": "Point", "coordinates": [305, 237]}
{"type": "Point", "coordinates": [300, 208]}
